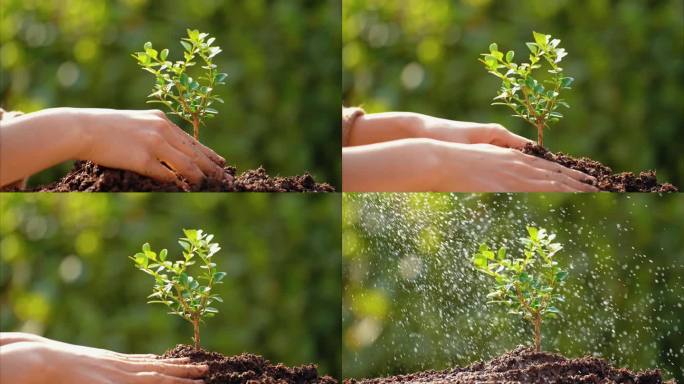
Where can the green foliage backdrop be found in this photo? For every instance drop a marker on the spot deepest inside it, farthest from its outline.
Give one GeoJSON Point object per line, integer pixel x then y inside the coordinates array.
{"type": "Point", "coordinates": [65, 272]}
{"type": "Point", "coordinates": [413, 301]}
{"type": "Point", "coordinates": [282, 58]}
{"type": "Point", "coordinates": [627, 57]}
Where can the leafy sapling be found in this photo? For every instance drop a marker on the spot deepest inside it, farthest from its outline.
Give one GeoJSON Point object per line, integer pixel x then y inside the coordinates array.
{"type": "Point", "coordinates": [528, 284]}
{"type": "Point", "coordinates": [190, 99]}
{"type": "Point", "coordinates": [525, 95]}
{"type": "Point", "coordinates": [187, 296]}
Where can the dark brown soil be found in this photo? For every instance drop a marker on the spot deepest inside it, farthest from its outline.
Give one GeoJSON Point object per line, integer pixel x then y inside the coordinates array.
{"type": "Point", "coordinates": [247, 368]}
{"type": "Point", "coordinates": [607, 180]}
{"type": "Point", "coordinates": [523, 366]}
{"type": "Point", "coordinates": [89, 177]}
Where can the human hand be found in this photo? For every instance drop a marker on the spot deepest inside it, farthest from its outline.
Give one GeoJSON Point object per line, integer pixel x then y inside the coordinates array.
{"type": "Point", "coordinates": [491, 168]}
{"type": "Point", "coordinates": [28, 362]}
{"type": "Point", "coordinates": [146, 142]}
{"type": "Point", "coordinates": [469, 133]}
{"type": "Point", "coordinates": [383, 127]}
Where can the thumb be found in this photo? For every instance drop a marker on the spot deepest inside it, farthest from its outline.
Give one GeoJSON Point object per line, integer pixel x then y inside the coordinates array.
{"type": "Point", "coordinates": [508, 139]}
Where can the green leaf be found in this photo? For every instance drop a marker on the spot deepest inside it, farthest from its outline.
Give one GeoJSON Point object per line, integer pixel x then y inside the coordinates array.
{"type": "Point", "coordinates": [509, 56]}
{"type": "Point", "coordinates": [162, 254]}
{"type": "Point", "coordinates": [534, 48]}
{"type": "Point", "coordinates": [151, 52]}
{"type": "Point", "coordinates": [164, 54]}
{"type": "Point", "coordinates": [540, 38]}
{"type": "Point", "coordinates": [561, 275]}
{"type": "Point", "coordinates": [187, 46]}
{"type": "Point", "coordinates": [493, 47]}
{"type": "Point", "coordinates": [218, 276]}
{"type": "Point", "coordinates": [211, 310]}
{"type": "Point", "coordinates": [220, 77]}
{"type": "Point", "coordinates": [501, 254]}
{"type": "Point", "coordinates": [566, 82]}
{"type": "Point", "coordinates": [184, 81]}
{"type": "Point", "coordinates": [480, 261]}
{"type": "Point", "coordinates": [148, 45]}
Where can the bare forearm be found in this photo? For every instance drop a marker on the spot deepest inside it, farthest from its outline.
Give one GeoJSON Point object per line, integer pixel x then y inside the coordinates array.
{"type": "Point", "coordinates": [35, 141]}
{"type": "Point", "coordinates": [21, 364]}
{"type": "Point", "coordinates": [382, 127]}
{"type": "Point", "coordinates": [387, 126]}
{"type": "Point", "coordinates": [399, 166]}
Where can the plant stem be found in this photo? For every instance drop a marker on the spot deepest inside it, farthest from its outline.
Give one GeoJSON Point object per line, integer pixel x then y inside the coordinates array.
{"type": "Point", "coordinates": [537, 332]}
{"type": "Point", "coordinates": [195, 127]}
{"type": "Point", "coordinates": [540, 134]}
{"type": "Point", "coordinates": [195, 325]}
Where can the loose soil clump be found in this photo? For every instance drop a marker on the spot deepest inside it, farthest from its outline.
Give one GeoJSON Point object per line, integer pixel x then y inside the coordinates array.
{"type": "Point", "coordinates": [87, 176]}
{"type": "Point", "coordinates": [607, 181]}
{"type": "Point", "coordinates": [524, 366]}
{"type": "Point", "coordinates": [247, 368]}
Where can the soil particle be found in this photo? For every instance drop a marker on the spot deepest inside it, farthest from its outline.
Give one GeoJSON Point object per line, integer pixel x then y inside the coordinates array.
{"type": "Point", "coordinates": [90, 177]}
{"type": "Point", "coordinates": [607, 180]}
{"type": "Point", "coordinates": [523, 366]}
{"type": "Point", "coordinates": [247, 368]}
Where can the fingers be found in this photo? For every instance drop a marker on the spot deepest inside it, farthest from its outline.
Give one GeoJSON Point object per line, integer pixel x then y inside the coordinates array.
{"type": "Point", "coordinates": [189, 371]}
{"type": "Point", "coordinates": [154, 169]}
{"type": "Point", "coordinates": [158, 378]}
{"type": "Point", "coordinates": [182, 164]}
{"type": "Point", "coordinates": [555, 167]}
{"type": "Point", "coordinates": [551, 181]}
{"type": "Point", "coordinates": [502, 137]}
{"type": "Point", "coordinates": [186, 141]}
{"type": "Point", "coordinates": [207, 160]}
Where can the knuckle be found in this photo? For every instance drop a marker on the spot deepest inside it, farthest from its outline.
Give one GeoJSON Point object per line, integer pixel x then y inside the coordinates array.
{"type": "Point", "coordinates": [154, 138]}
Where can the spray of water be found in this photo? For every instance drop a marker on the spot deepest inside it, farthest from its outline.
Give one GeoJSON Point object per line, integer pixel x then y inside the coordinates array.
{"type": "Point", "coordinates": [412, 300]}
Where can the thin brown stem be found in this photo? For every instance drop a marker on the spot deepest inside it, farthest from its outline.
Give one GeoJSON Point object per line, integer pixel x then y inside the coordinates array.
{"type": "Point", "coordinates": [195, 325]}
{"type": "Point", "coordinates": [537, 332]}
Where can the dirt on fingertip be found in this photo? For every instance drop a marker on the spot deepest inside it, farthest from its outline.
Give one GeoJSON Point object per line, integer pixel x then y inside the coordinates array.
{"type": "Point", "coordinates": [525, 366]}
{"type": "Point", "coordinates": [247, 368]}
{"type": "Point", "coordinates": [606, 179]}
{"type": "Point", "coordinates": [87, 176]}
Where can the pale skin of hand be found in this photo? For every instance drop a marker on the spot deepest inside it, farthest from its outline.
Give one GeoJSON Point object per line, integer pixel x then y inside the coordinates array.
{"type": "Point", "coordinates": [408, 152]}
{"type": "Point", "coordinates": [139, 141]}
{"type": "Point", "coordinates": [29, 359]}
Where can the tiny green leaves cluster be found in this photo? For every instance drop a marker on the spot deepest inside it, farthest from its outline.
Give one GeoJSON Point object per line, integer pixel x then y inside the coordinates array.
{"type": "Point", "coordinates": [526, 284]}
{"type": "Point", "coordinates": [187, 296]}
{"type": "Point", "coordinates": [187, 97]}
{"type": "Point", "coordinates": [535, 101]}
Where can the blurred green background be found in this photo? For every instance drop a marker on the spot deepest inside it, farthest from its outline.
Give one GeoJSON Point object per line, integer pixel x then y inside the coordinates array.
{"type": "Point", "coordinates": [282, 58]}
{"type": "Point", "coordinates": [65, 272]}
{"type": "Point", "coordinates": [627, 57]}
{"type": "Point", "coordinates": [412, 300]}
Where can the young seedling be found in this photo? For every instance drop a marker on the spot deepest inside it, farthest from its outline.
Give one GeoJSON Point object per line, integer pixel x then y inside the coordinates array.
{"type": "Point", "coordinates": [189, 98]}
{"type": "Point", "coordinates": [520, 91]}
{"type": "Point", "coordinates": [187, 296]}
{"type": "Point", "coordinates": [528, 284]}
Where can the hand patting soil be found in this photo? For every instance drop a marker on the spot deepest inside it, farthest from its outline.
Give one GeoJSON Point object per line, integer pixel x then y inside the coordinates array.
{"type": "Point", "coordinates": [247, 368]}
{"type": "Point", "coordinates": [607, 181]}
{"type": "Point", "coordinates": [89, 177]}
{"type": "Point", "coordinates": [523, 366]}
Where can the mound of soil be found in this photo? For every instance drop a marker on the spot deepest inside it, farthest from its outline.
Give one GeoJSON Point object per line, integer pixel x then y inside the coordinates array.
{"type": "Point", "coordinates": [90, 177]}
{"type": "Point", "coordinates": [247, 368]}
{"type": "Point", "coordinates": [523, 366]}
{"type": "Point", "coordinates": [607, 180]}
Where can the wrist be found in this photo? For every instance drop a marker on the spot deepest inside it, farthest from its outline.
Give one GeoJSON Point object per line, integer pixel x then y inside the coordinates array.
{"type": "Point", "coordinates": [77, 123]}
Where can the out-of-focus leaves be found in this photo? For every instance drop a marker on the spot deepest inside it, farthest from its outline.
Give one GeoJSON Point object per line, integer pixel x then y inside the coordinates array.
{"type": "Point", "coordinates": [627, 58]}
{"type": "Point", "coordinates": [282, 58]}
{"type": "Point", "coordinates": [65, 272]}
{"type": "Point", "coordinates": [407, 307]}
